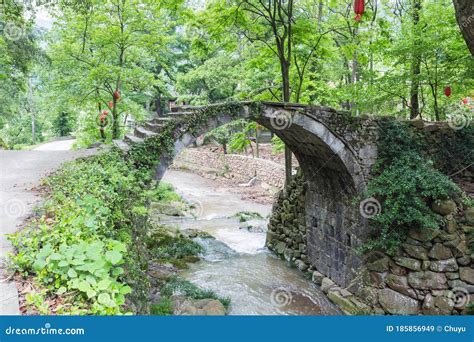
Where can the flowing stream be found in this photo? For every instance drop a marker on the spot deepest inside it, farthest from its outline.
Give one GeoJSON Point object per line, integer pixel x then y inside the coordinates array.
{"type": "Point", "coordinates": [236, 263]}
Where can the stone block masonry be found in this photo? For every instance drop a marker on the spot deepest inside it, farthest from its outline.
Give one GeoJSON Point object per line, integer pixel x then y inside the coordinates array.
{"type": "Point", "coordinates": [431, 274]}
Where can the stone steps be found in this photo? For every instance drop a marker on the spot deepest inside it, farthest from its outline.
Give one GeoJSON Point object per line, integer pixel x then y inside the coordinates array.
{"type": "Point", "coordinates": [143, 133]}
{"type": "Point", "coordinates": [147, 129]}
{"type": "Point", "coordinates": [162, 121]}
{"type": "Point", "coordinates": [154, 127]}
{"type": "Point", "coordinates": [178, 115]}
{"type": "Point", "coordinates": [131, 139]}
{"type": "Point", "coordinates": [121, 145]}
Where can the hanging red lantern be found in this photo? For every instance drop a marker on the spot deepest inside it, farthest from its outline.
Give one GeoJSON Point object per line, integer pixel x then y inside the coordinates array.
{"type": "Point", "coordinates": [111, 104]}
{"type": "Point", "coordinates": [105, 112]}
{"type": "Point", "coordinates": [116, 95]}
{"type": "Point", "coordinates": [102, 118]}
{"type": "Point", "coordinates": [359, 9]}
{"type": "Point", "coordinates": [447, 91]}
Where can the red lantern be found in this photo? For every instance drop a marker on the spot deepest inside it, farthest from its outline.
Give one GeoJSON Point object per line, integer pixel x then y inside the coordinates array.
{"type": "Point", "coordinates": [102, 118]}
{"type": "Point", "coordinates": [116, 95]}
{"type": "Point", "coordinates": [105, 112]}
{"type": "Point", "coordinates": [358, 9]}
{"type": "Point", "coordinates": [447, 91]}
{"type": "Point", "coordinates": [465, 101]}
{"type": "Point", "coordinates": [111, 104]}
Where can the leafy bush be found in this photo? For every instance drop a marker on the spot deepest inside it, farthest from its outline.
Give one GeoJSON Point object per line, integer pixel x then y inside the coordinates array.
{"type": "Point", "coordinates": [406, 184]}
{"type": "Point", "coordinates": [63, 124]}
{"type": "Point", "coordinates": [83, 241]}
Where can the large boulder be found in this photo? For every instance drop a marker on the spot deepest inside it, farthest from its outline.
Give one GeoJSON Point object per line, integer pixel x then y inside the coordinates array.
{"type": "Point", "coordinates": [444, 207]}
{"type": "Point", "coordinates": [317, 277]}
{"type": "Point", "coordinates": [418, 252]}
{"type": "Point", "coordinates": [411, 264]}
{"type": "Point", "coordinates": [395, 303]}
{"type": "Point", "coordinates": [436, 305]}
{"type": "Point", "coordinates": [168, 209]}
{"type": "Point", "coordinates": [449, 265]}
{"type": "Point", "coordinates": [423, 235]}
{"type": "Point", "coordinates": [440, 252]}
{"type": "Point", "coordinates": [469, 214]}
{"type": "Point", "coordinates": [344, 303]}
{"type": "Point", "coordinates": [427, 280]}
{"type": "Point", "coordinates": [380, 265]}
{"type": "Point", "coordinates": [467, 274]}
{"type": "Point", "coordinates": [400, 284]}
{"type": "Point", "coordinates": [204, 307]}
{"type": "Point", "coordinates": [326, 284]}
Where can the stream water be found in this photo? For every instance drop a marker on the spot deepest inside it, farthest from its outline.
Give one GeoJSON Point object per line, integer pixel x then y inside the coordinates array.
{"type": "Point", "coordinates": [236, 264]}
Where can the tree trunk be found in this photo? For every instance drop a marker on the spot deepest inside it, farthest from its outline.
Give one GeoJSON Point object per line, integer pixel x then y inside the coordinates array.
{"type": "Point", "coordinates": [32, 111]}
{"type": "Point", "coordinates": [285, 72]}
{"type": "Point", "coordinates": [465, 17]}
{"type": "Point", "coordinates": [115, 124]}
{"type": "Point", "coordinates": [159, 112]}
{"type": "Point", "coordinates": [415, 66]}
{"type": "Point", "coordinates": [257, 144]}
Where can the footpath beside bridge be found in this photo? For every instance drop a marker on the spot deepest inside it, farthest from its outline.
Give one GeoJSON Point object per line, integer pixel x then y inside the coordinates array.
{"type": "Point", "coordinates": [336, 153]}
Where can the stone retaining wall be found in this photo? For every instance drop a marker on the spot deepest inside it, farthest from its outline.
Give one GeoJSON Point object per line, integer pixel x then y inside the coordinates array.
{"type": "Point", "coordinates": [247, 168]}
{"type": "Point", "coordinates": [431, 274]}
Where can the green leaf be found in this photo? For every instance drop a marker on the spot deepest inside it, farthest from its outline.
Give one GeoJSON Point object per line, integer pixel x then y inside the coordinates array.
{"type": "Point", "coordinates": [90, 293]}
{"type": "Point", "coordinates": [71, 273]}
{"type": "Point", "coordinates": [84, 286]}
{"type": "Point", "coordinates": [125, 290]}
{"type": "Point", "coordinates": [103, 284]}
{"type": "Point", "coordinates": [63, 263]}
{"type": "Point", "coordinates": [61, 290]}
{"type": "Point", "coordinates": [55, 256]}
{"type": "Point", "coordinates": [104, 299]}
{"type": "Point", "coordinates": [114, 257]}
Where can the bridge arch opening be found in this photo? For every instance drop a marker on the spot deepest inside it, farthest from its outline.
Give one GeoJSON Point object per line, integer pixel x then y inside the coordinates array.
{"type": "Point", "coordinates": [333, 177]}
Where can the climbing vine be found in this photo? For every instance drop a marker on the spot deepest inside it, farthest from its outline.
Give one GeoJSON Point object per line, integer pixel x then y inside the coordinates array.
{"type": "Point", "coordinates": [406, 183]}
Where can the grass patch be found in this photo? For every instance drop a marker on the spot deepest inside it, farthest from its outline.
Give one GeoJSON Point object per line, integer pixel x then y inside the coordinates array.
{"type": "Point", "coordinates": [163, 308]}
{"type": "Point", "coordinates": [163, 245]}
{"type": "Point", "coordinates": [244, 216]}
{"type": "Point", "coordinates": [178, 285]}
{"type": "Point", "coordinates": [164, 192]}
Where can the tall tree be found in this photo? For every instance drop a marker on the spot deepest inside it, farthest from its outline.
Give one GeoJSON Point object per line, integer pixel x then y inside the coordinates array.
{"type": "Point", "coordinates": [465, 18]}
{"type": "Point", "coordinates": [273, 18]}
{"type": "Point", "coordinates": [415, 62]}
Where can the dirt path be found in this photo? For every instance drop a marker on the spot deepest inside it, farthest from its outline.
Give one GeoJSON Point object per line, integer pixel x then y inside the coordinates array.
{"type": "Point", "coordinates": [20, 173]}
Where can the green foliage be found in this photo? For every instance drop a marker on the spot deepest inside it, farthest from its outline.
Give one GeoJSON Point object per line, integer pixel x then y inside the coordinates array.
{"type": "Point", "coordinates": [163, 245]}
{"type": "Point", "coordinates": [145, 155]}
{"type": "Point", "coordinates": [82, 245]}
{"type": "Point", "coordinates": [63, 124]}
{"type": "Point", "coordinates": [164, 192]}
{"type": "Point", "coordinates": [277, 144]}
{"type": "Point", "coordinates": [91, 268]}
{"type": "Point", "coordinates": [177, 285]}
{"type": "Point", "coordinates": [244, 216]}
{"type": "Point", "coordinates": [163, 308]}
{"type": "Point", "coordinates": [406, 184]}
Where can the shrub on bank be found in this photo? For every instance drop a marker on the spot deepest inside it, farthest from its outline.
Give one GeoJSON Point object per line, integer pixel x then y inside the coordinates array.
{"type": "Point", "coordinates": [81, 244]}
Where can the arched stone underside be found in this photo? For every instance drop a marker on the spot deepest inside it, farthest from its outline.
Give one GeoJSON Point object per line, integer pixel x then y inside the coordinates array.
{"type": "Point", "coordinates": [335, 153]}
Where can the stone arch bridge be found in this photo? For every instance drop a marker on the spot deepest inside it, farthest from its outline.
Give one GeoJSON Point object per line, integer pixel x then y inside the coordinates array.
{"type": "Point", "coordinates": [335, 152]}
